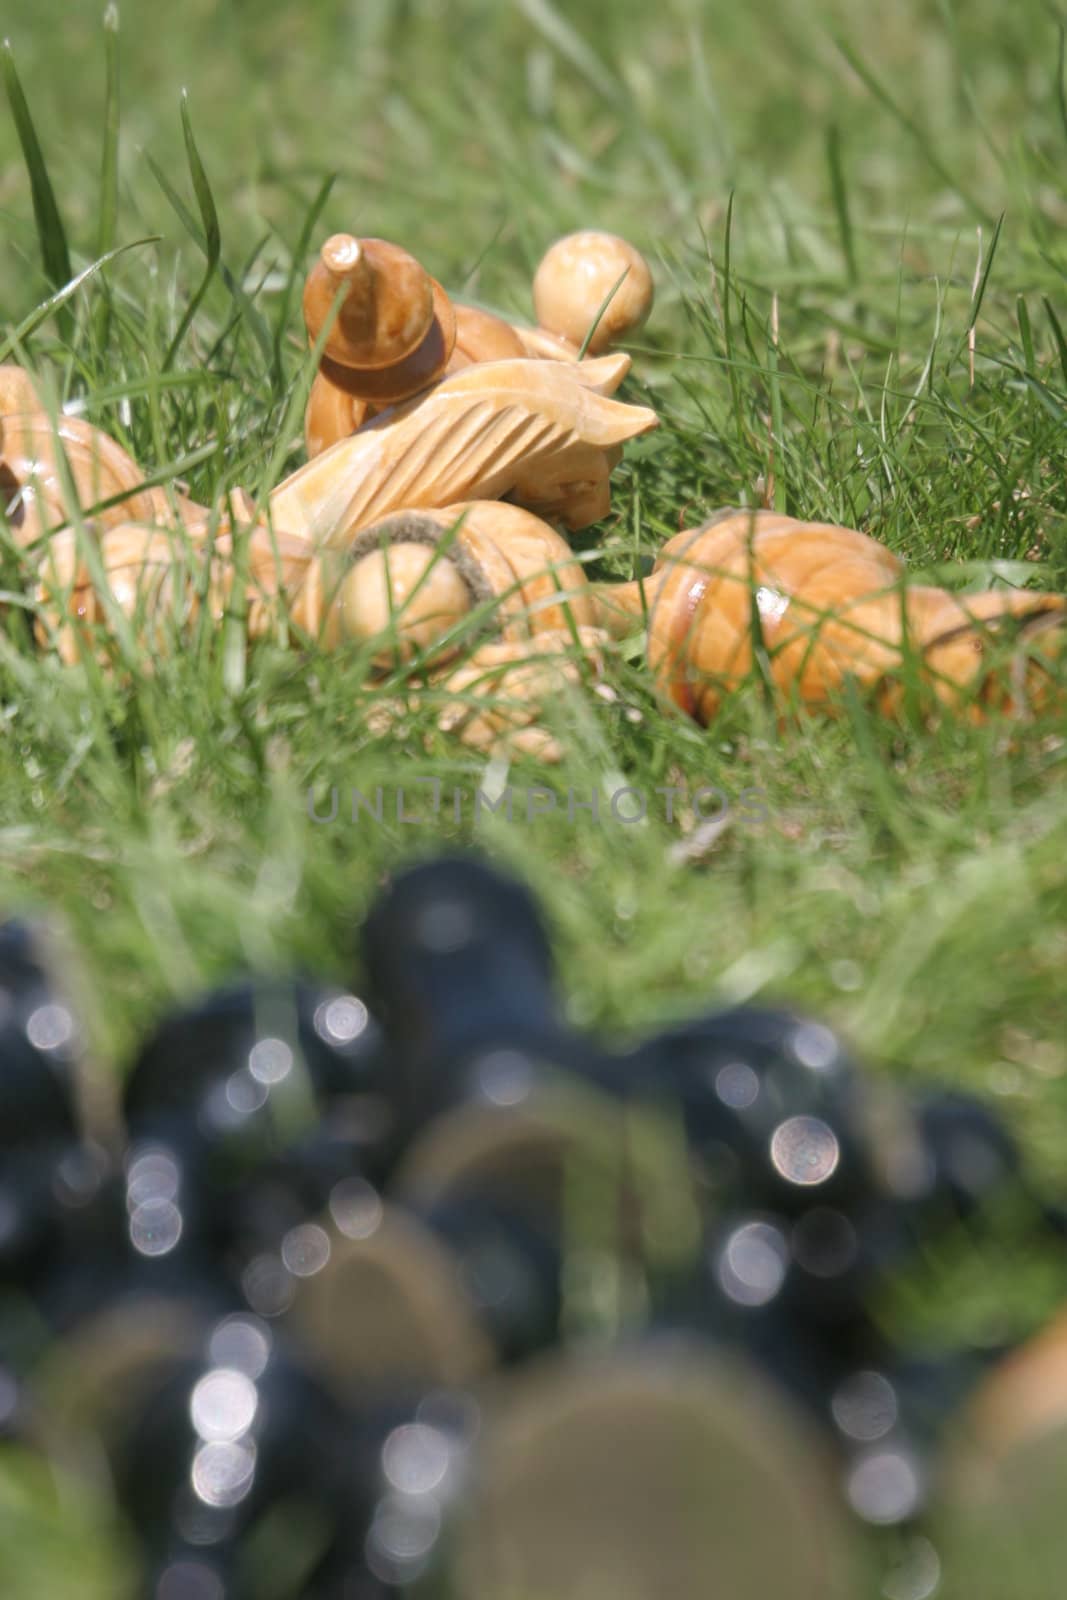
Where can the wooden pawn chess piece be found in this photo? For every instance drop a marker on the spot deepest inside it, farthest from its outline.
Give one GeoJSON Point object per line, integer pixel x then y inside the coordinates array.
{"type": "Point", "coordinates": [592, 289]}
{"type": "Point", "coordinates": [417, 584]}
{"type": "Point", "coordinates": [53, 469]}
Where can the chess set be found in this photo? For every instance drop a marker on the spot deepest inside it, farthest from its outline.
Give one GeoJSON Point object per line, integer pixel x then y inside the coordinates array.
{"type": "Point", "coordinates": [420, 1290]}
{"type": "Point", "coordinates": [450, 453]}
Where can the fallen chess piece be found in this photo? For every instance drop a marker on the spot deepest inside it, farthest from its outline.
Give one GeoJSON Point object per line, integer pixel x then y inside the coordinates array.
{"type": "Point", "coordinates": [544, 431]}
{"type": "Point", "coordinates": [482, 581]}
{"type": "Point", "coordinates": [396, 331]}
{"type": "Point", "coordinates": [815, 607]}
{"type": "Point", "coordinates": [480, 433]}
{"type": "Point", "coordinates": [592, 289]}
{"type": "Point", "coordinates": [53, 470]}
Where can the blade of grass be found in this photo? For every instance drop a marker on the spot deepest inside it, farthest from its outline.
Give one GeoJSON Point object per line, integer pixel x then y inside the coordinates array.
{"type": "Point", "coordinates": [1026, 334]}
{"type": "Point", "coordinates": [608, 298]}
{"type": "Point", "coordinates": [839, 192]}
{"type": "Point", "coordinates": [55, 254]}
{"type": "Point", "coordinates": [212, 233]}
{"type": "Point", "coordinates": [56, 301]}
{"type": "Point", "coordinates": [1057, 334]}
{"type": "Point", "coordinates": [727, 328]}
{"type": "Point", "coordinates": [777, 462]}
{"type": "Point", "coordinates": [109, 161]}
{"type": "Point", "coordinates": [255, 321]}
{"type": "Point", "coordinates": [1061, 62]}
{"type": "Point", "coordinates": [314, 212]}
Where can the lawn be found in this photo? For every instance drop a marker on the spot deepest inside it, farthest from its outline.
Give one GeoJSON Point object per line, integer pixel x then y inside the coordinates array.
{"type": "Point", "coordinates": [856, 221]}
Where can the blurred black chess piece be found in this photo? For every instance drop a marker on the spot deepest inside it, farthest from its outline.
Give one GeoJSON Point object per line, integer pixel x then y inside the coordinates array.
{"type": "Point", "coordinates": [244, 1110]}
{"type": "Point", "coordinates": [381, 1289]}
{"type": "Point", "coordinates": [55, 1179]}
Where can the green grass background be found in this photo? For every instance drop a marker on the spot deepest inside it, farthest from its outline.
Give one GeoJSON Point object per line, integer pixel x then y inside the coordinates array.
{"type": "Point", "coordinates": [894, 176]}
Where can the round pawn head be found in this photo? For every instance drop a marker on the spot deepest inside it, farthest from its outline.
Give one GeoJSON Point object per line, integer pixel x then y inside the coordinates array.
{"type": "Point", "coordinates": [970, 1154]}
{"type": "Point", "coordinates": [575, 279]}
{"type": "Point", "coordinates": [249, 1047]}
{"type": "Point", "coordinates": [212, 1443]}
{"type": "Point", "coordinates": [459, 962]}
{"type": "Point", "coordinates": [242, 1108]}
{"type": "Point", "coordinates": [408, 594]}
{"type": "Point", "coordinates": [769, 1098]}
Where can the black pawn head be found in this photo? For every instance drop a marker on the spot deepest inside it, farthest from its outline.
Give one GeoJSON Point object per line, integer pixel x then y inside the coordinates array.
{"type": "Point", "coordinates": [258, 1055]}
{"type": "Point", "coordinates": [454, 948]}
{"type": "Point", "coordinates": [244, 1109]}
{"type": "Point", "coordinates": [770, 1104]}
{"type": "Point", "coordinates": [209, 1444]}
{"type": "Point", "coordinates": [49, 1179]}
{"type": "Point", "coordinates": [460, 966]}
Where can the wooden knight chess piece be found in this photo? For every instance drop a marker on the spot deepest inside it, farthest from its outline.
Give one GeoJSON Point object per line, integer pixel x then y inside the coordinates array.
{"type": "Point", "coordinates": [543, 431]}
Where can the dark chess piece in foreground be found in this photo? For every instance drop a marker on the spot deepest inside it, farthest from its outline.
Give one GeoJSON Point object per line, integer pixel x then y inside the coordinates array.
{"type": "Point", "coordinates": [214, 1432]}
{"type": "Point", "coordinates": [660, 1471]}
{"type": "Point", "coordinates": [462, 978]}
{"type": "Point", "coordinates": [817, 1187]}
{"type": "Point", "coordinates": [52, 1176]}
{"type": "Point", "coordinates": [245, 1109]}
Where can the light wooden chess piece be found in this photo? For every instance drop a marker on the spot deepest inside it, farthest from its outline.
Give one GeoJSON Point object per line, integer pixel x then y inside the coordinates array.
{"type": "Point", "coordinates": [53, 470]}
{"type": "Point", "coordinates": [492, 429]}
{"type": "Point", "coordinates": [815, 606]}
{"type": "Point", "coordinates": [592, 289]}
{"type": "Point", "coordinates": [397, 332]}
{"type": "Point", "coordinates": [394, 333]}
{"type": "Point", "coordinates": [483, 599]}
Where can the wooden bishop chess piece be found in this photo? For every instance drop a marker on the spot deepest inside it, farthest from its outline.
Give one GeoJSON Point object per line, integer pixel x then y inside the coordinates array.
{"type": "Point", "coordinates": [820, 606]}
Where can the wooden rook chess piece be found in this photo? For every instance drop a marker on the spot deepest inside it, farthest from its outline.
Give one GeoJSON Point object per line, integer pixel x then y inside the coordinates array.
{"type": "Point", "coordinates": [820, 606]}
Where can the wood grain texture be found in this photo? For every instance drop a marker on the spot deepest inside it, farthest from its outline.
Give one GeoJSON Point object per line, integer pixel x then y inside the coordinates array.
{"type": "Point", "coordinates": [818, 605]}
{"type": "Point", "coordinates": [37, 492]}
{"type": "Point", "coordinates": [472, 436]}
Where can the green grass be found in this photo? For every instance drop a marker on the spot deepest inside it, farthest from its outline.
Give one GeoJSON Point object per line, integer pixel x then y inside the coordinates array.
{"type": "Point", "coordinates": [893, 178]}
